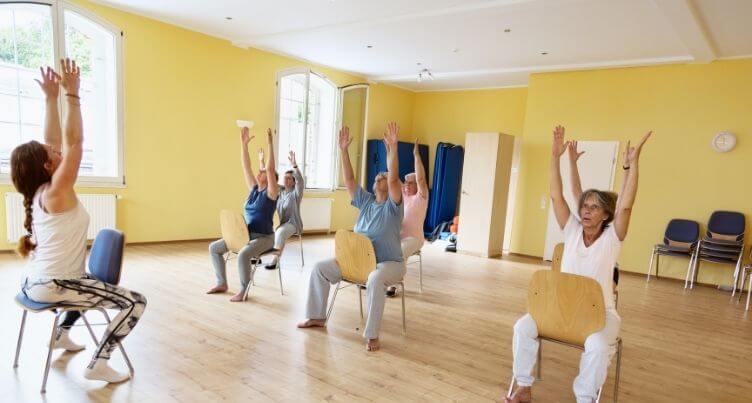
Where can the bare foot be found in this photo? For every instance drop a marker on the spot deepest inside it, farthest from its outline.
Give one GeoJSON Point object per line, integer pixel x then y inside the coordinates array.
{"type": "Point", "coordinates": [373, 345]}
{"type": "Point", "coordinates": [312, 323]}
{"type": "Point", "coordinates": [239, 297]}
{"type": "Point", "coordinates": [523, 394]}
{"type": "Point", "coordinates": [217, 289]}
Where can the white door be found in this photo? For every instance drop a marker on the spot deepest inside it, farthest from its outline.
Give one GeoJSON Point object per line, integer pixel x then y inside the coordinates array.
{"type": "Point", "coordinates": [476, 198]}
{"type": "Point", "coordinates": [596, 168]}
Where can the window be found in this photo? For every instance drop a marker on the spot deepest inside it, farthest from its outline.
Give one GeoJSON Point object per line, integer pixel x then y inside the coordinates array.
{"type": "Point", "coordinates": [306, 109]}
{"type": "Point", "coordinates": [29, 39]}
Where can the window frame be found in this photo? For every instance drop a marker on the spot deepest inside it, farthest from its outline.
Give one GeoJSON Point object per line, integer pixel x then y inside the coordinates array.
{"type": "Point", "coordinates": [307, 72]}
{"type": "Point", "coordinates": [57, 13]}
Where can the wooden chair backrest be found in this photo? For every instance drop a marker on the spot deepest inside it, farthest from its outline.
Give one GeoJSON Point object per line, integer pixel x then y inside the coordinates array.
{"type": "Point", "coordinates": [355, 256]}
{"type": "Point", "coordinates": [234, 230]}
{"type": "Point", "coordinates": [566, 307]}
{"type": "Point", "coordinates": [556, 259]}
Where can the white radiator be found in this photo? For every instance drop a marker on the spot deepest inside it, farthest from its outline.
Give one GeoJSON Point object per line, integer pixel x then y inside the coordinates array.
{"type": "Point", "coordinates": [101, 208]}
{"type": "Point", "coordinates": [316, 214]}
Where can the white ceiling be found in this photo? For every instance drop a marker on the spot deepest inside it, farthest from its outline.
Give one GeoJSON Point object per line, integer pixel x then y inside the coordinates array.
{"type": "Point", "coordinates": [464, 43]}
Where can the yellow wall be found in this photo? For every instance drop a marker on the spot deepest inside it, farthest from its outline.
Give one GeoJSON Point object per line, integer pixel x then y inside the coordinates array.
{"type": "Point", "coordinates": [183, 93]}
{"type": "Point", "coordinates": [446, 116]}
{"type": "Point", "coordinates": [680, 175]}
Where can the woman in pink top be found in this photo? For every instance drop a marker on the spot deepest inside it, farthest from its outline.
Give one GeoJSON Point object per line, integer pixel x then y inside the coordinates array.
{"type": "Point", "coordinates": [415, 199]}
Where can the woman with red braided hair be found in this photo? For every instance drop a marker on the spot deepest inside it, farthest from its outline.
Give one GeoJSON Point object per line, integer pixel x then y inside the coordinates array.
{"type": "Point", "coordinates": [57, 223]}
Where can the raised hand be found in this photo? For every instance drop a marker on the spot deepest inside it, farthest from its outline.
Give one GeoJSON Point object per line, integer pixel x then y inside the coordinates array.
{"type": "Point", "coordinates": [50, 83]}
{"type": "Point", "coordinates": [291, 158]}
{"type": "Point", "coordinates": [245, 135]}
{"type": "Point", "coordinates": [574, 155]}
{"type": "Point", "coordinates": [633, 153]}
{"type": "Point", "coordinates": [261, 156]}
{"type": "Point", "coordinates": [269, 134]}
{"type": "Point", "coordinates": [71, 76]}
{"type": "Point", "coordinates": [344, 138]}
{"type": "Point", "coordinates": [559, 146]}
{"type": "Point", "coordinates": [416, 150]}
{"type": "Point", "coordinates": [391, 135]}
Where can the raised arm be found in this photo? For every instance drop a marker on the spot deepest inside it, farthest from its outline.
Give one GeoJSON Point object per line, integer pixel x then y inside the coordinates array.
{"type": "Point", "coordinates": [299, 180]}
{"type": "Point", "coordinates": [50, 85]}
{"type": "Point", "coordinates": [420, 172]}
{"type": "Point", "coordinates": [61, 196]}
{"type": "Point", "coordinates": [574, 172]}
{"type": "Point", "coordinates": [561, 209]}
{"type": "Point", "coordinates": [271, 168]}
{"type": "Point", "coordinates": [344, 155]}
{"type": "Point", "coordinates": [627, 197]}
{"type": "Point", "coordinates": [245, 160]}
{"type": "Point", "coordinates": [392, 163]}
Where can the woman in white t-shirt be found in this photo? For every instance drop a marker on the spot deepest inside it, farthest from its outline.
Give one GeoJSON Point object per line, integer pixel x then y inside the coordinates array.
{"type": "Point", "coordinates": [56, 224]}
{"type": "Point", "coordinates": [592, 242]}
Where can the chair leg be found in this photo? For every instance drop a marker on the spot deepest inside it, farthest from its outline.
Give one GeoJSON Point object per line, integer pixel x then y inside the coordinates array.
{"type": "Point", "coordinates": [131, 371]}
{"type": "Point", "coordinates": [49, 353]}
{"type": "Point", "coordinates": [360, 302]}
{"type": "Point", "coordinates": [88, 326]}
{"type": "Point", "coordinates": [404, 321]}
{"type": "Point", "coordinates": [279, 273]}
{"type": "Point", "coordinates": [511, 387]}
{"type": "Point", "coordinates": [618, 370]}
{"type": "Point", "coordinates": [331, 304]}
{"type": "Point", "coordinates": [689, 268]}
{"type": "Point", "coordinates": [741, 285]}
{"type": "Point", "coordinates": [598, 397]}
{"type": "Point", "coordinates": [749, 291]}
{"type": "Point", "coordinates": [420, 271]}
{"type": "Point", "coordinates": [650, 267]}
{"type": "Point", "coordinates": [20, 338]}
{"type": "Point", "coordinates": [302, 258]}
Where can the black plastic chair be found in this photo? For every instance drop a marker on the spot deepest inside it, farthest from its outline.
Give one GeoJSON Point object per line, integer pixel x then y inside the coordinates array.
{"type": "Point", "coordinates": [105, 264]}
{"type": "Point", "coordinates": [680, 239]}
{"type": "Point", "coordinates": [723, 243]}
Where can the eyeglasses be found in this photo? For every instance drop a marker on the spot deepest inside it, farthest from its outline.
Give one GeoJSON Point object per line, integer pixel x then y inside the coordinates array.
{"type": "Point", "coordinates": [591, 207]}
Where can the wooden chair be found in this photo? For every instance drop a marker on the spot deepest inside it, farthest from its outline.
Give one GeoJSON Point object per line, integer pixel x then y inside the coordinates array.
{"type": "Point", "coordinates": [356, 260]}
{"type": "Point", "coordinates": [235, 234]}
{"type": "Point", "coordinates": [556, 266]}
{"type": "Point", "coordinates": [567, 308]}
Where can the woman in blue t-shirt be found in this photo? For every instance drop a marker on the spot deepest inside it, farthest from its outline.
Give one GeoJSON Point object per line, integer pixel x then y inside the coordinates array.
{"type": "Point", "coordinates": [258, 211]}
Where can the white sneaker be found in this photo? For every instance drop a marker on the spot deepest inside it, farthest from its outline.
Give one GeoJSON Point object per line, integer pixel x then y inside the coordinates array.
{"type": "Point", "coordinates": [103, 372]}
{"type": "Point", "coordinates": [63, 341]}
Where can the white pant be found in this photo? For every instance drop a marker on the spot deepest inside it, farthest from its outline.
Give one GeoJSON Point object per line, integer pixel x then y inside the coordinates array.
{"type": "Point", "coordinates": [411, 245]}
{"type": "Point", "coordinates": [282, 234]}
{"type": "Point", "coordinates": [599, 348]}
{"type": "Point", "coordinates": [327, 272]}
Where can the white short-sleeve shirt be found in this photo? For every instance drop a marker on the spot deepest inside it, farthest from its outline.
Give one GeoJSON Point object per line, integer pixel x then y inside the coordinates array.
{"type": "Point", "coordinates": [596, 261]}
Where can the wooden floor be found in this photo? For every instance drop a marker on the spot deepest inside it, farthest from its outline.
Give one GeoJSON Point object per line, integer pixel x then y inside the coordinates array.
{"type": "Point", "coordinates": [189, 347]}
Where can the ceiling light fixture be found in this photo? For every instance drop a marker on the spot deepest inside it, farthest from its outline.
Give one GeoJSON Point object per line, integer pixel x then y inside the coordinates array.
{"type": "Point", "coordinates": [507, 30]}
{"type": "Point", "coordinates": [544, 53]}
{"type": "Point", "coordinates": [455, 50]}
{"type": "Point", "coordinates": [228, 18]}
{"type": "Point", "coordinates": [369, 46]}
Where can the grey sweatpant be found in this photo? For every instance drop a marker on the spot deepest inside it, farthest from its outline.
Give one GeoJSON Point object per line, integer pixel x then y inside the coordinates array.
{"type": "Point", "coordinates": [282, 234]}
{"type": "Point", "coordinates": [327, 272]}
{"type": "Point", "coordinates": [259, 244]}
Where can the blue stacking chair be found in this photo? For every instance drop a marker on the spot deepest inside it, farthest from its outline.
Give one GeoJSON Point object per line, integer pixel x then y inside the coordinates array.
{"type": "Point", "coordinates": [105, 264]}
{"type": "Point", "coordinates": [680, 239]}
{"type": "Point", "coordinates": [723, 243]}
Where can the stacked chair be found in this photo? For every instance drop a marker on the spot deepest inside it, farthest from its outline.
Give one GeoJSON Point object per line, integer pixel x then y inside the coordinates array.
{"type": "Point", "coordinates": [680, 239]}
{"type": "Point", "coordinates": [723, 243]}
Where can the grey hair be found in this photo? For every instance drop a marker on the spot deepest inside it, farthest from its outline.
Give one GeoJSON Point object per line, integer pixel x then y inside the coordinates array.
{"type": "Point", "coordinates": [411, 175]}
{"type": "Point", "coordinates": [606, 200]}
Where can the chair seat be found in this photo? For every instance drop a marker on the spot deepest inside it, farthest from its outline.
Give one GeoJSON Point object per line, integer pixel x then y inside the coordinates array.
{"type": "Point", "coordinates": [672, 253]}
{"type": "Point", "coordinates": [722, 247]}
{"type": "Point", "coordinates": [31, 305]}
{"type": "Point", "coordinates": [668, 248]}
{"type": "Point", "coordinates": [717, 259]}
{"type": "Point", "coordinates": [725, 255]}
{"type": "Point", "coordinates": [717, 241]}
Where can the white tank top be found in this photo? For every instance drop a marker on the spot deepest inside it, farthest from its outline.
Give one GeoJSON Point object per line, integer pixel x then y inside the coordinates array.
{"type": "Point", "coordinates": [61, 242]}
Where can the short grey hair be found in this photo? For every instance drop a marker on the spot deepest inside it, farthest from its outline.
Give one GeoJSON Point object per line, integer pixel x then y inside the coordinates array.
{"type": "Point", "coordinates": [411, 175]}
{"type": "Point", "coordinates": [606, 200]}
